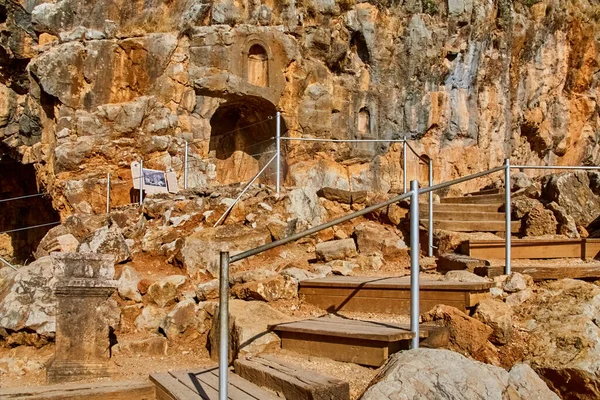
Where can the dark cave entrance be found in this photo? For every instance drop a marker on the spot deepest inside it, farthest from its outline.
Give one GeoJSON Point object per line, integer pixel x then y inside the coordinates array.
{"type": "Point", "coordinates": [18, 180]}
{"type": "Point", "coordinates": [242, 140]}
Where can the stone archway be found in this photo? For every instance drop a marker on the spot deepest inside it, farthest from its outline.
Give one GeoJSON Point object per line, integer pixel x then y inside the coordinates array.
{"type": "Point", "coordinates": [18, 180]}
{"type": "Point", "coordinates": [242, 139]}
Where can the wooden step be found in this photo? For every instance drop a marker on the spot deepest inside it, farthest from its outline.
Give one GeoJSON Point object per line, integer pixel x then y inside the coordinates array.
{"type": "Point", "coordinates": [473, 226]}
{"type": "Point", "coordinates": [347, 340]}
{"type": "Point", "coordinates": [290, 381]}
{"type": "Point", "coordinates": [480, 199]}
{"type": "Point", "coordinates": [460, 215]}
{"type": "Point", "coordinates": [487, 191]}
{"type": "Point", "coordinates": [203, 384]}
{"type": "Point", "coordinates": [458, 207]}
{"type": "Point", "coordinates": [388, 295]}
{"type": "Point", "coordinates": [121, 390]}
{"type": "Point", "coordinates": [557, 270]}
{"type": "Point", "coordinates": [533, 248]}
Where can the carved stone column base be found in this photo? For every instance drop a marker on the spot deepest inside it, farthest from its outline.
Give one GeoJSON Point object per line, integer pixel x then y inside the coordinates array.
{"type": "Point", "coordinates": [63, 371]}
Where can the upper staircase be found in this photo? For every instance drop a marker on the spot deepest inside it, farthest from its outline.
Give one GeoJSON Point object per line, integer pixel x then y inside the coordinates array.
{"type": "Point", "coordinates": [476, 212]}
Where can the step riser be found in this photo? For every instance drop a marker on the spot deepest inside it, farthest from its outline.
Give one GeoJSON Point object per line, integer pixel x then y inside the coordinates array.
{"type": "Point", "coordinates": [483, 199]}
{"type": "Point", "coordinates": [458, 207]}
{"type": "Point", "coordinates": [530, 250]}
{"type": "Point", "coordinates": [465, 216]}
{"type": "Point", "coordinates": [472, 226]}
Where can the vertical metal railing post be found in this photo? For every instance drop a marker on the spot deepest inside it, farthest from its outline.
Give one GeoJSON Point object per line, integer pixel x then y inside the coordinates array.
{"type": "Point", "coordinates": [278, 142]}
{"type": "Point", "coordinates": [108, 193]}
{"type": "Point", "coordinates": [141, 182]}
{"type": "Point", "coordinates": [507, 211]}
{"type": "Point", "coordinates": [223, 325]}
{"type": "Point", "coordinates": [404, 165]}
{"type": "Point", "coordinates": [430, 221]}
{"type": "Point", "coordinates": [185, 167]}
{"type": "Point", "coordinates": [414, 263]}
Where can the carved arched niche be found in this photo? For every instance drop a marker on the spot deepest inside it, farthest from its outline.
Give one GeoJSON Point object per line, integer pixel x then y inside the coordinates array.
{"type": "Point", "coordinates": [258, 66]}
{"type": "Point", "coordinates": [364, 124]}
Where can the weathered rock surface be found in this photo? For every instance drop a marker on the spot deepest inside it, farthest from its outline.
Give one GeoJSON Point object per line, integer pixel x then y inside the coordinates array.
{"type": "Point", "coordinates": [248, 328]}
{"type": "Point", "coordinates": [186, 321]}
{"type": "Point", "coordinates": [150, 318]}
{"type": "Point", "coordinates": [336, 250]}
{"type": "Point", "coordinates": [373, 238]}
{"type": "Point", "coordinates": [572, 192]}
{"type": "Point", "coordinates": [564, 345]}
{"type": "Point", "coordinates": [128, 285]}
{"type": "Point", "coordinates": [107, 241]}
{"type": "Point", "coordinates": [165, 291]}
{"type": "Point", "coordinates": [539, 222]}
{"type": "Point", "coordinates": [443, 374]}
{"type": "Point", "coordinates": [498, 316]}
{"type": "Point", "coordinates": [468, 336]}
{"type": "Point", "coordinates": [270, 289]}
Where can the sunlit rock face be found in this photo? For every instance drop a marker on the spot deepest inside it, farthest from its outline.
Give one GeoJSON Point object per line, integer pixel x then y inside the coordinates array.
{"type": "Point", "coordinates": [87, 87]}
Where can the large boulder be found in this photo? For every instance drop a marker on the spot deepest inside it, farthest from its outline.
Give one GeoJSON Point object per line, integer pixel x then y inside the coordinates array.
{"type": "Point", "coordinates": [270, 289]}
{"type": "Point", "coordinates": [498, 316]}
{"type": "Point", "coordinates": [166, 290]}
{"type": "Point", "coordinates": [468, 336]}
{"type": "Point", "coordinates": [539, 222]}
{"type": "Point", "coordinates": [248, 328]}
{"type": "Point", "coordinates": [442, 374]}
{"type": "Point", "coordinates": [186, 321]}
{"type": "Point", "coordinates": [572, 192]}
{"type": "Point", "coordinates": [564, 343]}
{"type": "Point", "coordinates": [199, 254]}
{"type": "Point", "coordinates": [128, 285]}
{"type": "Point", "coordinates": [374, 238]}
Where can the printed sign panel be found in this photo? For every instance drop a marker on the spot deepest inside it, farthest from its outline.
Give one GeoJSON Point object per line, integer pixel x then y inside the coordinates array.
{"type": "Point", "coordinates": [154, 178]}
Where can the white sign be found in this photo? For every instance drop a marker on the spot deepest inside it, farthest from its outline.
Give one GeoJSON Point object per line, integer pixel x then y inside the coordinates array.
{"type": "Point", "coordinates": [155, 181]}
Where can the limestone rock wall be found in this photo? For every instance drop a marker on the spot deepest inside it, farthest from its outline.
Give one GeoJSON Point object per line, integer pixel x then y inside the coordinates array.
{"type": "Point", "coordinates": [89, 86]}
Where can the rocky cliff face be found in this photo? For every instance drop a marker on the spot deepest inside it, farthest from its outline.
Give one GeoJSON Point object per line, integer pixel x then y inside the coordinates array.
{"type": "Point", "coordinates": [89, 86]}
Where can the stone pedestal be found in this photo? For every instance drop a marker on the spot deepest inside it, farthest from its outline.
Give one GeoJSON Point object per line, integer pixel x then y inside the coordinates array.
{"type": "Point", "coordinates": [82, 332]}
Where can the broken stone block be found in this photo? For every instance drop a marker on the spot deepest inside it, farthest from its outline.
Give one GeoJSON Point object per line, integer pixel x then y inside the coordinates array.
{"type": "Point", "coordinates": [340, 267]}
{"type": "Point", "coordinates": [150, 318]}
{"type": "Point", "coordinates": [107, 241]}
{"type": "Point", "coordinates": [539, 222]}
{"type": "Point", "coordinates": [336, 250]}
{"type": "Point", "coordinates": [452, 261]}
{"type": "Point", "coordinates": [128, 285]}
{"type": "Point", "coordinates": [498, 316]}
{"type": "Point", "coordinates": [186, 320]}
{"type": "Point", "coordinates": [152, 346]}
{"type": "Point", "coordinates": [464, 276]}
{"type": "Point", "coordinates": [165, 291]}
{"type": "Point", "coordinates": [275, 288]}
{"type": "Point", "coordinates": [373, 238]}
{"type": "Point", "coordinates": [208, 290]}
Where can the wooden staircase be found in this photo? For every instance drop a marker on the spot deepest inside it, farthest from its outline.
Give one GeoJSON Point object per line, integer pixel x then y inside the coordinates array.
{"type": "Point", "coordinates": [349, 340]}
{"type": "Point", "coordinates": [476, 212]}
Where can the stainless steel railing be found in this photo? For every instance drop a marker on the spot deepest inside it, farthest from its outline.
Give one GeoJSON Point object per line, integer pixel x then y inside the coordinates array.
{"type": "Point", "coordinates": [413, 194]}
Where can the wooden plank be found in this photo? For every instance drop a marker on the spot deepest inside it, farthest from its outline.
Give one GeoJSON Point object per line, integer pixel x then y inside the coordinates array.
{"type": "Point", "coordinates": [592, 248]}
{"type": "Point", "coordinates": [384, 306]}
{"type": "Point", "coordinates": [541, 273]}
{"type": "Point", "coordinates": [124, 390]}
{"type": "Point", "coordinates": [178, 391]}
{"type": "Point", "coordinates": [530, 248]}
{"type": "Point", "coordinates": [342, 330]}
{"type": "Point", "coordinates": [250, 387]}
{"type": "Point", "coordinates": [207, 385]}
{"type": "Point", "coordinates": [358, 351]}
{"type": "Point", "coordinates": [391, 294]}
{"type": "Point", "coordinates": [391, 283]}
{"type": "Point", "coordinates": [290, 381]}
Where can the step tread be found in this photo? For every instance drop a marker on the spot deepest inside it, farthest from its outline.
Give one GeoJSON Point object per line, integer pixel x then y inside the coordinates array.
{"type": "Point", "coordinates": [398, 283]}
{"type": "Point", "coordinates": [349, 328]}
{"type": "Point", "coordinates": [470, 216]}
{"type": "Point", "coordinates": [472, 226]}
{"type": "Point", "coordinates": [292, 381]}
{"type": "Point", "coordinates": [204, 384]}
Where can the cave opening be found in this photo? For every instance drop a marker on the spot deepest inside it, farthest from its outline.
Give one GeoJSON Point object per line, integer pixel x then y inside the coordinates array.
{"type": "Point", "coordinates": [242, 140]}
{"type": "Point", "coordinates": [22, 208]}
{"type": "Point", "coordinates": [359, 45]}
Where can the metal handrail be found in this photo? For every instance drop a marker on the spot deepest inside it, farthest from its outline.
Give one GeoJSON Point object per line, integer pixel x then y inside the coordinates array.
{"type": "Point", "coordinates": [244, 190]}
{"type": "Point", "coordinates": [425, 160]}
{"type": "Point", "coordinates": [460, 180]}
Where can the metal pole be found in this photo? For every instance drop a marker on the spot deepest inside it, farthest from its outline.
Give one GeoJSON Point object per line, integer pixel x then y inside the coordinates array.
{"type": "Point", "coordinates": [404, 164]}
{"type": "Point", "coordinates": [278, 141]}
{"type": "Point", "coordinates": [7, 263]}
{"type": "Point", "coordinates": [141, 181]}
{"type": "Point", "coordinates": [108, 193]}
{"type": "Point", "coordinates": [185, 170]}
{"type": "Point", "coordinates": [507, 212]}
{"type": "Point", "coordinates": [430, 222]}
{"type": "Point", "coordinates": [414, 262]}
{"type": "Point", "coordinates": [223, 325]}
